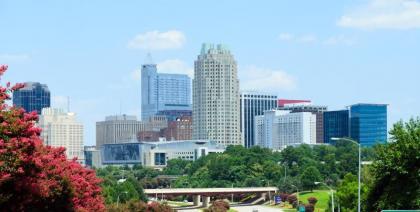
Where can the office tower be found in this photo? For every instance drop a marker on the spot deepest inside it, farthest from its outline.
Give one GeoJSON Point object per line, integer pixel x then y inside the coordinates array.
{"type": "Point", "coordinates": [173, 115]}
{"type": "Point", "coordinates": [284, 102]}
{"type": "Point", "coordinates": [314, 109]}
{"type": "Point", "coordinates": [368, 123]}
{"type": "Point", "coordinates": [336, 125]}
{"type": "Point", "coordinates": [179, 129]}
{"type": "Point", "coordinates": [216, 114]}
{"type": "Point", "coordinates": [162, 92]}
{"type": "Point", "coordinates": [117, 129]}
{"type": "Point", "coordinates": [277, 129]}
{"type": "Point", "coordinates": [60, 129]}
{"type": "Point", "coordinates": [33, 97]}
{"type": "Point", "coordinates": [253, 104]}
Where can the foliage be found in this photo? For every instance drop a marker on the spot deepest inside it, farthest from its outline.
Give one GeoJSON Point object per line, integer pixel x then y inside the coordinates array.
{"type": "Point", "coordinates": [322, 197]}
{"type": "Point", "coordinates": [396, 170]}
{"type": "Point", "coordinates": [34, 177]}
{"type": "Point", "coordinates": [136, 206]}
{"type": "Point", "coordinates": [218, 206]}
{"type": "Point", "coordinates": [292, 199]}
{"type": "Point", "coordinates": [309, 208]}
{"type": "Point", "coordinates": [309, 177]}
{"type": "Point", "coordinates": [312, 200]}
{"type": "Point", "coordinates": [124, 183]}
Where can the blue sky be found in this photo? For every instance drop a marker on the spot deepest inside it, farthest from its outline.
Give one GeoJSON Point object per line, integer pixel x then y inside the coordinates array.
{"type": "Point", "coordinates": [335, 53]}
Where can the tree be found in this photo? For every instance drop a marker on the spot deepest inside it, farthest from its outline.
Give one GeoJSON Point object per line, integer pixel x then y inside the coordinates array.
{"type": "Point", "coordinates": [309, 176]}
{"type": "Point", "coordinates": [396, 170]}
{"type": "Point", "coordinates": [34, 177]}
{"type": "Point", "coordinates": [347, 193]}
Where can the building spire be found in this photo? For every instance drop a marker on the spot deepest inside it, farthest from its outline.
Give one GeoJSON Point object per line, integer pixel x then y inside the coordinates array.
{"type": "Point", "coordinates": [149, 59]}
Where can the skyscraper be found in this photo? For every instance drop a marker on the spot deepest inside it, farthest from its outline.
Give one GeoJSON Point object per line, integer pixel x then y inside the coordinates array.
{"type": "Point", "coordinates": [117, 129]}
{"type": "Point", "coordinates": [163, 92]}
{"type": "Point", "coordinates": [33, 97]}
{"type": "Point", "coordinates": [314, 109]}
{"type": "Point", "coordinates": [336, 125]}
{"type": "Point", "coordinates": [277, 129]}
{"type": "Point", "coordinates": [368, 123]}
{"type": "Point", "coordinates": [60, 129]}
{"type": "Point", "coordinates": [253, 104]}
{"type": "Point", "coordinates": [216, 109]}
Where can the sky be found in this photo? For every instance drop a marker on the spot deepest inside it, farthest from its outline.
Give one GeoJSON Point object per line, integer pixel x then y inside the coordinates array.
{"type": "Point", "coordinates": [335, 53]}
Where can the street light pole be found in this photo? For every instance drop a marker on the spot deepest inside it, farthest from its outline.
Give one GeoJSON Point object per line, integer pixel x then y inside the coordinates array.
{"type": "Point", "coordinates": [359, 185]}
{"type": "Point", "coordinates": [297, 194]}
{"type": "Point", "coordinates": [332, 194]}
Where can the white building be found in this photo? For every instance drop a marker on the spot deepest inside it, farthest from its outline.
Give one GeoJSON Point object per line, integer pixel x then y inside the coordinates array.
{"type": "Point", "coordinates": [277, 129]}
{"type": "Point", "coordinates": [117, 129]}
{"type": "Point", "coordinates": [156, 154]}
{"type": "Point", "coordinates": [216, 109]}
{"type": "Point", "coordinates": [61, 129]}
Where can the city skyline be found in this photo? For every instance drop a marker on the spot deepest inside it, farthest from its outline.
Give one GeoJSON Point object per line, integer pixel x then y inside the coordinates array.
{"type": "Point", "coordinates": [309, 59]}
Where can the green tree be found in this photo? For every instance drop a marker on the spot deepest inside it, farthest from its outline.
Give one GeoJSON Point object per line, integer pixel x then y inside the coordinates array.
{"type": "Point", "coordinates": [309, 176]}
{"type": "Point", "coordinates": [396, 170]}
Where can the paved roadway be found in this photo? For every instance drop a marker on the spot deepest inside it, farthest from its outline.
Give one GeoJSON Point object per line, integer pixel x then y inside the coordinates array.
{"type": "Point", "coordinates": [239, 208]}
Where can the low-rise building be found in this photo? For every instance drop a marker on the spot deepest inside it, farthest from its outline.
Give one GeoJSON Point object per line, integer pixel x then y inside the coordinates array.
{"type": "Point", "coordinates": [156, 154]}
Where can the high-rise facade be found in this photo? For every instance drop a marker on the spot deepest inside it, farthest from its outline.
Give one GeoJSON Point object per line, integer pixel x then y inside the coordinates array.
{"type": "Point", "coordinates": [32, 97]}
{"type": "Point", "coordinates": [216, 104]}
{"type": "Point", "coordinates": [60, 129]}
{"type": "Point", "coordinates": [336, 125]}
{"type": "Point", "coordinates": [277, 129]}
{"type": "Point", "coordinates": [117, 129]}
{"type": "Point", "coordinates": [318, 111]}
{"type": "Point", "coordinates": [368, 123]}
{"type": "Point", "coordinates": [163, 92]}
{"type": "Point", "coordinates": [253, 104]}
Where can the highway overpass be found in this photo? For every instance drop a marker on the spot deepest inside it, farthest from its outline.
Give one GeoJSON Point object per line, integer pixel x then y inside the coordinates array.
{"type": "Point", "coordinates": [206, 193]}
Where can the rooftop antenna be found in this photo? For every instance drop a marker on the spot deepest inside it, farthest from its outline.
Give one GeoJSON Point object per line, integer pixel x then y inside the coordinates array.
{"type": "Point", "coordinates": [68, 104]}
{"type": "Point", "coordinates": [149, 59]}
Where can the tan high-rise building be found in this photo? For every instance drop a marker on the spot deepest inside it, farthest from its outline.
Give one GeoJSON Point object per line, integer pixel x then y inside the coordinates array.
{"type": "Point", "coordinates": [61, 129]}
{"type": "Point", "coordinates": [216, 109]}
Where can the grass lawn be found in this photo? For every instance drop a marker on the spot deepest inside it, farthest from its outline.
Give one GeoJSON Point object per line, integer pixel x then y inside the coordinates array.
{"type": "Point", "coordinates": [321, 195]}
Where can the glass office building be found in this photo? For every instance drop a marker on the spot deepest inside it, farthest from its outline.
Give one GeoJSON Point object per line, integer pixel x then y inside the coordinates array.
{"type": "Point", "coordinates": [368, 123]}
{"type": "Point", "coordinates": [33, 97]}
{"type": "Point", "coordinates": [336, 124]}
{"type": "Point", "coordinates": [253, 104]}
{"type": "Point", "coordinates": [163, 92]}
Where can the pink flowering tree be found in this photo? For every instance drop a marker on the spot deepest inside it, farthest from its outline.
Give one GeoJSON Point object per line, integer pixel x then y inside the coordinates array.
{"type": "Point", "coordinates": [34, 177]}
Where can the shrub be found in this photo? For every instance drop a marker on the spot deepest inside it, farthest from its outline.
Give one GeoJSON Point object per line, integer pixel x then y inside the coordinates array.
{"type": "Point", "coordinates": [312, 200]}
{"type": "Point", "coordinates": [309, 208]}
{"type": "Point", "coordinates": [219, 206]}
{"type": "Point", "coordinates": [284, 197]}
{"type": "Point", "coordinates": [292, 199]}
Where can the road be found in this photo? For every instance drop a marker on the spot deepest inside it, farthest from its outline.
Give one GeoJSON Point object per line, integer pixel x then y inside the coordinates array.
{"type": "Point", "coordinates": [241, 208]}
{"type": "Point", "coordinates": [259, 208]}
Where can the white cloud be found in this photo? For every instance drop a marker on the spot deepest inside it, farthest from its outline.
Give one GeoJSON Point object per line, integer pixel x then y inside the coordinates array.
{"type": "Point", "coordinates": [307, 39]}
{"type": "Point", "coordinates": [339, 40]}
{"type": "Point", "coordinates": [256, 78]}
{"type": "Point", "coordinates": [155, 40]}
{"type": "Point", "coordinates": [289, 37]}
{"type": "Point", "coordinates": [384, 14]}
{"type": "Point", "coordinates": [286, 36]}
{"type": "Point", "coordinates": [175, 66]}
{"type": "Point", "coordinates": [7, 58]}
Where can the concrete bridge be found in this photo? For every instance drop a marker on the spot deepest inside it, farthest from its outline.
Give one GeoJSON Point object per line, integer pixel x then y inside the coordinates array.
{"type": "Point", "coordinates": [206, 193]}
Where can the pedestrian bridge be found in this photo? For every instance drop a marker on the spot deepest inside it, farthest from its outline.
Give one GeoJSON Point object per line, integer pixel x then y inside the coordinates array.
{"type": "Point", "coordinates": [206, 193]}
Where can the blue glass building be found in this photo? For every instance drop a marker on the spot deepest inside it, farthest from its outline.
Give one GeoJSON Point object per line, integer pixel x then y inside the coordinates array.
{"type": "Point", "coordinates": [336, 124]}
{"type": "Point", "coordinates": [33, 97]}
{"type": "Point", "coordinates": [163, 92]}
{"type": "Point", "coordinates": [253, 104]}
{"type": "Point", "coordinates": [368, 123]}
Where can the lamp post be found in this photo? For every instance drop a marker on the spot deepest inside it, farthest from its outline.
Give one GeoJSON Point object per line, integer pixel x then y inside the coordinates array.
{"type": "Point", "coordinates": [297, 193]}
{"type": "Point", "coordinates": [332, 194]}
{"type": "Point", "coordinates": [358, 189]}
{"type": "Point", "coordinates": [285, 169]}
